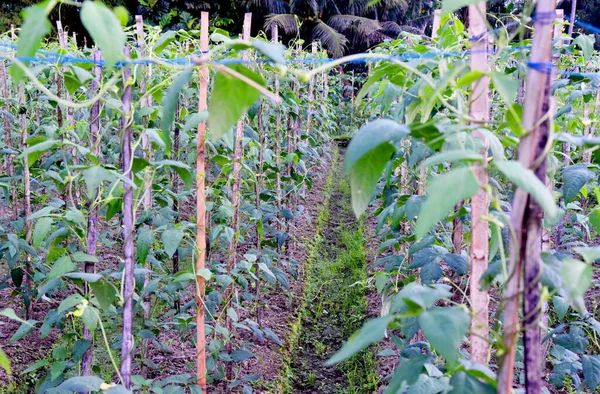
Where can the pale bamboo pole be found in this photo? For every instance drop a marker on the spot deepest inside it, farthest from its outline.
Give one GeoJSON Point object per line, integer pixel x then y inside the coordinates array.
{"type": "Point", "coordinates": [238, 154]}
{"type": "Point", "coordinates": [147, 152]}
{"type": "Point", "coordinates": [8, 159]}
{"type": "Point", "coordinates": [311, 92]}
{"type": "Point", "coordinates": [479, 109]}
{"type": "Point", "coordinates": [145, 102]}
{"type": "Point", "coordinates": [128, 229]}
{"type": "Point", "coordinates": [201, 371]}
{"type": "Point", "coordinates": [275, 38]}
{"type": "Point", "coordinates": [27, 196]}
{"type": "Point", "coordinates": [526, 219]}
{"type": "Point", "coordinates": [92, 230]}
{"type": "Point", "coordinates": [62, 41]}
{"type": "Point", "coordinates": [546, 238]}
{"type": "Point", "coordinates": [422, 181]}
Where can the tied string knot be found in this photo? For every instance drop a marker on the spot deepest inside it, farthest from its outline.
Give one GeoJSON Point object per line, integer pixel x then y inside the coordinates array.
{"type": "Point", "coordinates": [544, 18]}
{"type": "Point", "coordinates": [543, 67]}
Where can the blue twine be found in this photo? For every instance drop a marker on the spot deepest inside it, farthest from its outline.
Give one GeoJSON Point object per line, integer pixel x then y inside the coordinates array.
{"type": "Point", "coordinates": [543, 67]}
{"type": "Point", "coordinates": [495, 31]}
{"type": "Point", "coordinates": [587, 26]}
{"type": "Point", "coordinates": [544, 18]}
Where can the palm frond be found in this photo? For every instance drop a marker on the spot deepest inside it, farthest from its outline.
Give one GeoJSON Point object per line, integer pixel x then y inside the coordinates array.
{"type": "Point", "coordinates": [288, 23]}
{"type": "Point", "coordinates": [357, 28]}
{"type": "Point", "coordinates": [268, 6]}
{"type": "Point", "coordinates": [305, 8]}
{"type": "Point", "coordinates": [388, 5]}
{"type": "Point", "coordinates": [334, 41]}
{"type": "Point", "coordinates": [391, 29]}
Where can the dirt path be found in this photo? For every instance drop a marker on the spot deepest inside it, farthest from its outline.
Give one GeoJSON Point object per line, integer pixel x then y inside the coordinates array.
{"type": "Point", "coordinates": [335, 303]}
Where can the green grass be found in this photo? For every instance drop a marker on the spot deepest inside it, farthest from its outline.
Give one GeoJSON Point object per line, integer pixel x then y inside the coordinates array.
{"type": "Point", "coordinates": [334, 301]}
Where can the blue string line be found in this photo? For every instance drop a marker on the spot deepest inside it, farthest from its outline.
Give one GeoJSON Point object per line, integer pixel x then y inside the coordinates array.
{"type": "Point", "coordinates": [495, 31]}
{"type": "Point", "coordinates": [587, 26]}
{"type": "Point", "coordinates": [57, 58]}
{"type": "Point", "coordinates": [544, 18]}
{"type": "Point", "coordinates": [543, 67]}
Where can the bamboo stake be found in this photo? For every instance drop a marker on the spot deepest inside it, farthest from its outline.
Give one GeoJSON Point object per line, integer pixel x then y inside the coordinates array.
{"type": "Point", "coordinates": [62, 40]}
{"type": "Point", "coordinates": [92, 230]}
{"type": "Point", "coordinates": [8, 159]}
{"type": "Point", "coordinates": [201, 211]}
{"type": "Point", "coordinates": [128, 230]}
{"type": "Point", "coordinates": [238, 154]}
{"type": "Point", "coordinates": [526, 221]}
{"type": "Point", "coordinates": [479, 109]}
{"type": "Point", "coordinates": [27, 192]}
{"type": "Point", "coordinates": [422, 181]}
{"type": "Point", "coordinates": [146, 146]}
{"type": "Point", "coordinates": [275, 38]}
{"type": "Point", "coordinates": [546, 239]}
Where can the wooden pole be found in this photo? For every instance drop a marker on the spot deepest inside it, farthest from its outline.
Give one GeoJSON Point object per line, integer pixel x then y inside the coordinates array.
{"type": "Point", "coordinates": [147, 151]}
{"type": "Point", "coordinates": [128, 230]}
{"type": "Point", "coordinates": [479, 110]}
{"type": "Point", "coordinates": [526, 219]}
{"type": "Point", "coordinates": [8, 159]}
{"type": "Point", "coordinates": [92, 231]}
{"type": "Point", "coordinates": [437, 19]}
{"type": "Point", "coordinates": [27, 196]}
{"type": "Point", "coordinates": [62, 40]}
{"type": "Point", "coordinates": [275, 38]}
{"type": "Point", "coordinates": [201, 211]}
{"type": "Point", "coordinates": [146, 147]}
{"type": "Point", "coordinates": [238, 154]}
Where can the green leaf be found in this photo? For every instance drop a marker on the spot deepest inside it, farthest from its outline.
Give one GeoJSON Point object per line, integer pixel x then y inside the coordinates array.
{"type": "Point", "coordinates": [367, 155]}
{"type": "Point", "coordinates": [586, 43]}
{"type": "Point", "coordinates": [80, 384]}
{"type": "Point", "coordinates": [24, 330]}
{"type": "Point", "coordinates": [590, 254]}
{"type": "Point", "coordinates": [36, 149]}
{"type": "Point", "coordinates": [443, 193]}
{"type": "Point", "coordinates": [93, 177]}
{"type": "Point", "coordinates": [591, 370]}
{"type": "Point", "coordinates": [506, 86]}
{"type": "Point", "coordinates": [70, 302]}
{"type": "Point", "coordinates": [61, 266]}
{"type": "Point", "coordinates": [105, 294]}
{"type": "Point", "coordinates": [577, 278]}
{"type": "Point", "coordinates": [164, 40]}
{"type": "Point", "coordinates": [35, 366]}
{"type": "Point", "coordinates": [105, 29]}
{"type": "Point", "coordinates": [194, 120]}
{"type": "Point", "coordinates": [35, 27]}
{"type": "Point", "coordinates": [525, 179]}
{"type": "Point", "coordinates": [90, 318]}
{"type": "Point", "coordinates": [81, 257]}
{"type": "Point", "coordinates": [86, 277]}
{"type": "Point", "coordinates": [226, 108]}
{"type": "Point", "coordinates": [76, 77]}
{"type": "Point", "coordinates": [275, 52]}
{"type": "Point", "coordinates": [41, 230]}
{"type": "Point", "coordinates": [464, 383]}
{"type": "Point", "coordinates": [5, 362]}
{"type": "Point", "coordinates": [171, 239]}
{"type": "Point", "coordinates": [145, 239]}
{"type": "Point", "coordinates": [452, 156]}
{"type": "Point", "coordinates": [449, 6]}
{"type": "Point", "coordinates": [423, 296]}
{"type": "Point", "coordinates": [445, 328]}
{"type": "Point", "coordinates": [58, 368]}
{"type": "Point", "coordinates": [373, 331]}
{"type": "Point", "coordinates": [170, 105]}
{"type": "Point", "coordinates": [575, 177]}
